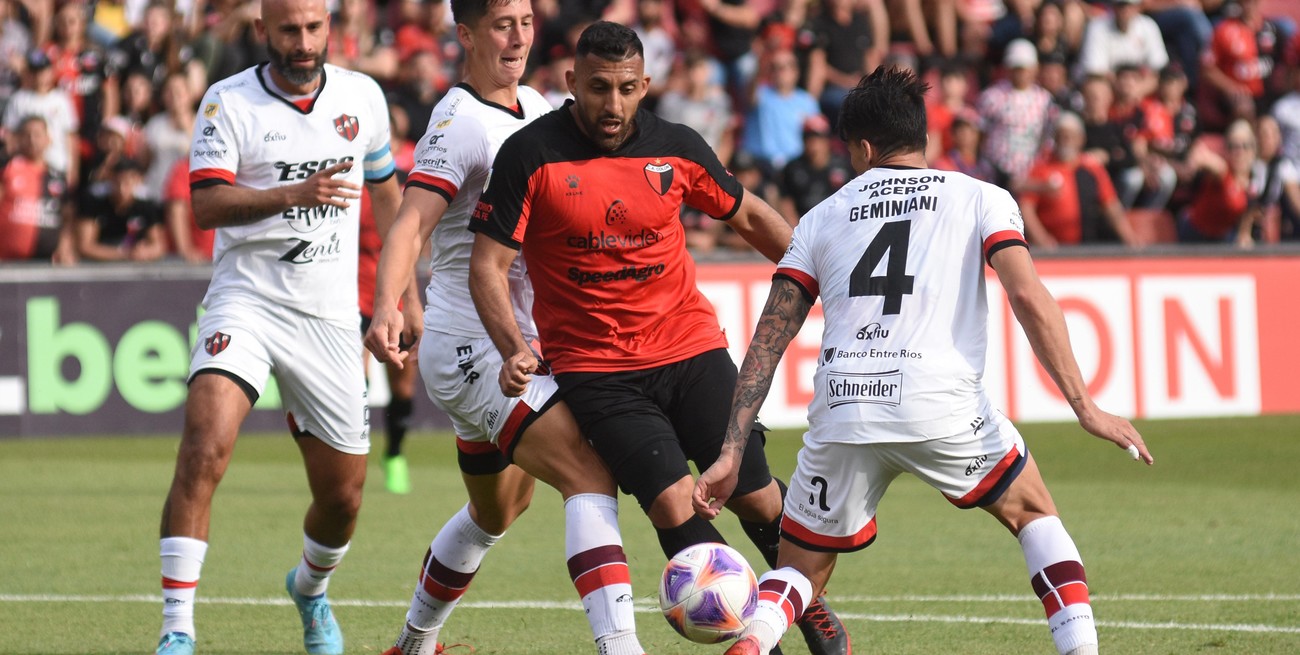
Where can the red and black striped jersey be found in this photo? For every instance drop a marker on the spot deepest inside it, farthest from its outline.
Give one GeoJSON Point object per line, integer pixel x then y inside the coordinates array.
{"type": "Point", "coordinates": [602, 237]}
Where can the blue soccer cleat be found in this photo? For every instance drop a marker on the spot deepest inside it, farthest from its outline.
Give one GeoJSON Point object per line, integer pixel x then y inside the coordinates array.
{"type": "Point", "coordinates": [320, 632]}
{"type": "Point", "coordinates": [175, 643]}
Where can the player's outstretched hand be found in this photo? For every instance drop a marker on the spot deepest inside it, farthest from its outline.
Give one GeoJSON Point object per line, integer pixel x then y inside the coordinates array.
{"type": "Point", "coordinates": [715, 486]}
{"type": "Point", "coordinates": [1117, 430]}
{"type": "Point", "coordinates": [516, 372]}
{"type": "Point", "coordinates": [322, 188]}
{"type": "Point", "coordinates": [384, 336]}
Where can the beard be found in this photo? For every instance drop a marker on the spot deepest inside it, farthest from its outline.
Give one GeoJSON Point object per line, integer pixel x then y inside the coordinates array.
{"type": "Point", "coordinates": [299, 76]}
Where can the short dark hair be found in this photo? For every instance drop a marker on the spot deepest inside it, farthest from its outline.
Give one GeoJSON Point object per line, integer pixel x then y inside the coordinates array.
{"type": "Point", "coordinates": [609, 41]}
{"type": "Point", "coordinates": [469, 12]}
{"type": "Point", "coordinates": [887, 109]}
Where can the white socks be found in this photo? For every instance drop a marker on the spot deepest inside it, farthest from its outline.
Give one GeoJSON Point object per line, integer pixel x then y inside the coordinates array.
{"type": "Point", "coordinates": [182, 560]}
{"type": "Point", "coordinates": [317, 564]}
{"type": "Point", "coordinates": [593, 547]}
{"type": "Point", "coordinates": [783, 595]}
{"type": "Point", "coordinates": [1056, 573]}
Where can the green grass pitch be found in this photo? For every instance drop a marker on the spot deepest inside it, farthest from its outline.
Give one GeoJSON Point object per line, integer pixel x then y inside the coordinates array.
{"type": "Point", "coordinates": [1200, 554]}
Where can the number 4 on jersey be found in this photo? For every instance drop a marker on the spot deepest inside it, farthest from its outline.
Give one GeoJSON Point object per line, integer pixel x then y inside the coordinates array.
{"type": "Point", "coordinates": [896, 283]}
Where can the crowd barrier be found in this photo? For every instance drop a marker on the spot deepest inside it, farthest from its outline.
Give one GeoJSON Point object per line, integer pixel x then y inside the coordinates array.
{"type": "Point", "coordinates": [105, 349]}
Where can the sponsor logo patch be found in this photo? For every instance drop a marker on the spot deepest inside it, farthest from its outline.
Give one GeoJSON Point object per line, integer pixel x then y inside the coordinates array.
{"type": "Point", "coordinates": [884, 388]}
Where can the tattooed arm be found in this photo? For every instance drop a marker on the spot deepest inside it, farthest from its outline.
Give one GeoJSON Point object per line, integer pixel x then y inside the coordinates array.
{"type": "Point", "coordinates": [787, 306]}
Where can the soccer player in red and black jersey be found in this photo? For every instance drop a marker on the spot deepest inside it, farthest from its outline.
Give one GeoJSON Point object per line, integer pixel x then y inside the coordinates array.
{"type": "Point", "coordinates": [592, 194]}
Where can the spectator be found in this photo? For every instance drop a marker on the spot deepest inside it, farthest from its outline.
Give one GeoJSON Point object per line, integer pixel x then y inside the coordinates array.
{"type": "Point", "coordinates": [15, 43]}
{"type": "Point", "coordinates": [733, 24]}
{"type": "Point", "coordinates": [421, 26]}
{"type": "Point", "coordinates": [154, 49]}
{"type": "Point", "coordinates": [964, 156]}
{"type": "Point", "coordinates": [1054, 77]}
{"type": "Point", "coordinates": [1238, 67]}
{"type": "Point", "coordinates": [188, 240]}
{"type": "Point", "coordinates": [1051, 35]}
{"type": "Point", "coordinates": [1017, 115]}
{"type": "Point", "coordinates": [1106, 141]}
{"type": "Point", "coordinates": [1068, 198]}
{"type": "Point", "coordinates": [850, 39]}
{"type": "Point", "coordinates": [940, 112]}
{"type": "Point", "coordinates": [1287, 110]}
{"type": "Point", "coordinates": [40, 97]}
{"type": "Point", "coordinates": [774, 125]}
{"type": "Point", "coordinates": [1278, 212]}
{"type": "Point", "coordinates": [403, 148]}
{"type": "Point", "coordinates": [930, 26]}
{"type": "Point", "coordinates": [660, 49]}
{"type": "Point", "coordinates": [420, 87]}
{"type": "Point", "coordinates": [1176, 125]}
{"type": "Point", "coordinates": [97, 176]}
{"type": "Point", "coordinates": [1124, 36]}
{"type": "Point", "coordinates": [702, 104]}
{"type": "Point", "coordinates": [86, 73]}
{"type": "Point", "coordinates": [33, 224]}
{"type": "Point", "coordinates": [168, 134]}
{"type": "Point", "coordinates": [125, 227]}
{"type": "Point", "coordinates": [813, 176]}
{"type": "Point", "coordinates": [228, 42]}
{"type": "Point", "coordinates": [354, 43]}
{"type": "Point", "coordinates": [1186, 30]}
{"type": "Point", "coordinates": [1150, 183]}
{"type": "Point", "coordinates": [1224, 188]}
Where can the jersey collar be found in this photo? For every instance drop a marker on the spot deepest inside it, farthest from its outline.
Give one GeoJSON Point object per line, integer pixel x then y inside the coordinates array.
{"type": "Point", "coordinates": [517, 113]}
{"type": "Point", "coordinates": [261, 79]}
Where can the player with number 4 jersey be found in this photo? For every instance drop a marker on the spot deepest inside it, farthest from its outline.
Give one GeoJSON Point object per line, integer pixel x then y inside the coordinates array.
{"type": "Point", "coordinates": [897, 257]}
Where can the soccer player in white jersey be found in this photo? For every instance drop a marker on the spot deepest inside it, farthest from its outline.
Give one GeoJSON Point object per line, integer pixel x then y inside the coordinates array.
{"type": "Point", "coordinates": [897, 256]}
{"type": "Point", "coordinates": [502, 442]}
{"type": "Point", "coordinates": [279, 155]}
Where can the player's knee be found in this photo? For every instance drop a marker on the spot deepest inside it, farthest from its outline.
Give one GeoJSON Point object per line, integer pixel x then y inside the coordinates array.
{"type": "Point", "coordinates": [340, 504]}
{"type": "Point", "coordinates": [762, 506]}
{"type": "Point", "coordinates": [672, 506]}
{"type": "Point", "coordinates": [496, 518]}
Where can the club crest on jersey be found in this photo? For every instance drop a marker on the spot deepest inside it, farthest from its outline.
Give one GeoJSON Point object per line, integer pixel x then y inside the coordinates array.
{"type": "Point", "coordinates": [659, 175]}
{"type": "Point", "coordinates": [347, 126]}
{"type": "Point", "coordinates": [216, 343]}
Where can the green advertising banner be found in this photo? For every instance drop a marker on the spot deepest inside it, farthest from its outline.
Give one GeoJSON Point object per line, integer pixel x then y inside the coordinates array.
{"type": "Point", "coordinates": [106, 350]}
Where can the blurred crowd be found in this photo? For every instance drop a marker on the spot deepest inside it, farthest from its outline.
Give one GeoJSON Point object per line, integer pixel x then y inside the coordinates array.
{"type": "Point", "coordinates": [1112, 121]}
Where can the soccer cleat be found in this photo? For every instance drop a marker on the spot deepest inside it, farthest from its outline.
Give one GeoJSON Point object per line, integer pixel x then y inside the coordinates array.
{"type": "Point", "coordinates": [397, 475]}
{"type": "Point", "coordinates": [320, 632]}
{"type": "Point", "coordinates": [823, 631]}
{"type": "Point", "coordinates": [745, 646]}
{"type": "Point", "coordinates": [175, 643]}
{"type": "Point", "coordinates": [438, 649]}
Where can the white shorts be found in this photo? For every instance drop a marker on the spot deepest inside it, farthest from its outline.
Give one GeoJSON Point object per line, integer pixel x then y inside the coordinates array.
{"type": "Point", "coordinates": [316, 362]}
{"type": "Point", "coordinates": [460, 374]}
{"type": "Point", "coordinates": [836, 487]}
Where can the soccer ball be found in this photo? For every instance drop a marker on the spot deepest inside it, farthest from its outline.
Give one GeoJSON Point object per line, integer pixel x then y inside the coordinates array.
{"type": "Point", "coordinates": [708, 593]}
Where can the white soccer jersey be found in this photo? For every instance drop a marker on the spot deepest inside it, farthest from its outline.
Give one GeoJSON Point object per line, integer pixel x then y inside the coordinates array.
{"type": "Point", "coordinates": [249, 135]}
{"type": "Point", "coordinates": [454, 160]}
{"type": "Point", "coordinates": [897, 258]}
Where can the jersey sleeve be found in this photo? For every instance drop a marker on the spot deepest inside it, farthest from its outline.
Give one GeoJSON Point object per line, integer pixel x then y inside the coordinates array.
{"type": "Point", "coordinates": [503, 210]}
{"type": "Point", "coordinates": [713, 189]}
{"type": "Point", "coordinates": [379, 165]}
{"type": "Point", "coordinates": [1000, 223]}
{"type": "Point", "coordinates": [445, 157]}
{"type": "Point", "coordinates": [214, 155]}
{"type": "Point", "coordinates": [797, 264]}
